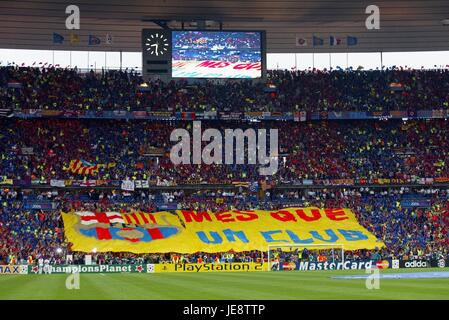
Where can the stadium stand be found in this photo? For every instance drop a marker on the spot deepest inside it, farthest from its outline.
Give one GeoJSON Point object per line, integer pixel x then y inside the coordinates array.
{"type": "Point", "coordinates": [310, 90]}
{"type": "Point", "coordinates": [319, 152]}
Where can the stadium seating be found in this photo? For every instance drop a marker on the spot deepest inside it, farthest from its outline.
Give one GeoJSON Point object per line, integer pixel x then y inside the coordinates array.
{"type": "Point", "coordinates": [310, 90]}
{"type": "Point", "coordinates": [311, 152]}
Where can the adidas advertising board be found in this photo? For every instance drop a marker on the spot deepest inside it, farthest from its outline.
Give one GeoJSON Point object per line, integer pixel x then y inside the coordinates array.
{"type": "Point", "coordinates": [414, 264]}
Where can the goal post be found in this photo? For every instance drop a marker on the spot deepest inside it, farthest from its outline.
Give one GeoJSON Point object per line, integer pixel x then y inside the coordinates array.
{"type": "Point", "coordinates": [310, 247]}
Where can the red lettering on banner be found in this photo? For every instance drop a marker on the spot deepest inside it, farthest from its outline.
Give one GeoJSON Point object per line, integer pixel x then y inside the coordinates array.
{"type": "Point", "coordinates": [224, 217]}
{"type": "Point", "coordinates": [283, 215]}
{"type": "Point", "coordinates": [197, 216]}
{"type": "Point", "coordinates": [248, 66]}
{"type": "Point", "coordinates": [248, 213]}
{"type": "Point", "coordinates": [206, 64]}
{"type": "Point", "coordinates": [336, 214]}
{"type": "Point", "coordinates": [222, 65]}
{"type": "Point", "coordinates": [214, 64]}
{"type": "Point", "coordinates": [316, 215]}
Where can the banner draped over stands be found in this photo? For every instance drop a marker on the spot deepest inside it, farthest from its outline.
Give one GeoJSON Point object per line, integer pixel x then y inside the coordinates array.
{"type": "Point", "coordinates": [184, 231]}
{"type": "Point", "coordinates": [440, 113]}
{"type": "Point", "coordinates": [146, 184]}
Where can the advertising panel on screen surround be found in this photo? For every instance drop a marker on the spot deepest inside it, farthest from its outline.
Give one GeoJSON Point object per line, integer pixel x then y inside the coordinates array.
{"type": "Point", "coordinates": [217, 54]}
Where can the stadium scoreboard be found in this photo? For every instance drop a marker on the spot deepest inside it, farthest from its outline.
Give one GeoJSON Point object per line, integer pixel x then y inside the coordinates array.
{"type": "Point", "coordinates": [217, 54]}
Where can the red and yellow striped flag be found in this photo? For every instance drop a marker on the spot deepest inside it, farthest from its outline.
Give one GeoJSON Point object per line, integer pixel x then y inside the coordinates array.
{"type": "Point", "coordinates": [82, 167]}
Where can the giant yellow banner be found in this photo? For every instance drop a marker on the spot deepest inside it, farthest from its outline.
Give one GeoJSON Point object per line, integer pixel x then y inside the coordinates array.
{"type": "Point", "coordinates": [185, 231]}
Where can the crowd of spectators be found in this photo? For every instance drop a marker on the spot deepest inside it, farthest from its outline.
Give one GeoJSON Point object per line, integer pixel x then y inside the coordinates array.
{"type": "Point", "coordinates": [43, 149]}
{"type": "Point", "coordinates": [408, 232]}
{"type": "Point", "coordinates": [310, 90]}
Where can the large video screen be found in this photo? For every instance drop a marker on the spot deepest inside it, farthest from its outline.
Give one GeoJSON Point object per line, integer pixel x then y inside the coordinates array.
{"type": "Point", "coordinates": [216, 54]}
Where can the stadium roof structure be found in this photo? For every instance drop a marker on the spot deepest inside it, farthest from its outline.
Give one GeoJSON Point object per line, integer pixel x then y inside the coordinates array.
{"type": "Point", "coordinates": [404, 25]}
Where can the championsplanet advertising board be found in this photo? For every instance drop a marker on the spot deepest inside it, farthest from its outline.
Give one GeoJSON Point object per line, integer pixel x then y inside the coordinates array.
{"type": "Point", "coordinates": [104, 268]}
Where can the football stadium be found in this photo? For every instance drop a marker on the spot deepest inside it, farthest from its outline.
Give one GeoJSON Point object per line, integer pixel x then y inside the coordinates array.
{"type": "Point", "coordinates": [224, 150]}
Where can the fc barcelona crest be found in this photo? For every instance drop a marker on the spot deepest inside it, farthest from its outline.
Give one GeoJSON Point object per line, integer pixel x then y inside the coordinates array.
{"type": "Point", "coordinates": [134, 227]}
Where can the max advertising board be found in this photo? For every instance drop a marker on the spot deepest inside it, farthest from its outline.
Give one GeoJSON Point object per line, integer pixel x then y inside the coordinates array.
{"type": "Point", "coordinates": [13, 269]}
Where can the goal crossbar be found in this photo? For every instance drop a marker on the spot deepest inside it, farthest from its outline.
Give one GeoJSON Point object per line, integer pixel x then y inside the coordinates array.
{"type": "Point", "coordinates": [308, 246]}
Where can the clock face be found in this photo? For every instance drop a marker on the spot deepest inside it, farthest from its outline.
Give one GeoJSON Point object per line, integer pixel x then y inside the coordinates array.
{"type": "Point", "coordinates": [156, 44]}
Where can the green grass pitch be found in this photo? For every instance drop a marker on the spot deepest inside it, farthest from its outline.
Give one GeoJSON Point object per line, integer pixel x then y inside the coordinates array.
{"type": "Point", "coordinates": [216, 286]}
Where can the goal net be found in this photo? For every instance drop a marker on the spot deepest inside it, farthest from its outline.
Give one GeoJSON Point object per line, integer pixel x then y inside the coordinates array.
{"type": "Point", "coordinates": [284, 256]}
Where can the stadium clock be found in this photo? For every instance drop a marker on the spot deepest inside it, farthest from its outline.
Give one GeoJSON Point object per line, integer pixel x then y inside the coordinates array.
{"type": "Point", "coordinates": [156, 53]}
{"type": "Point", "coordinates": [156, 44]}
